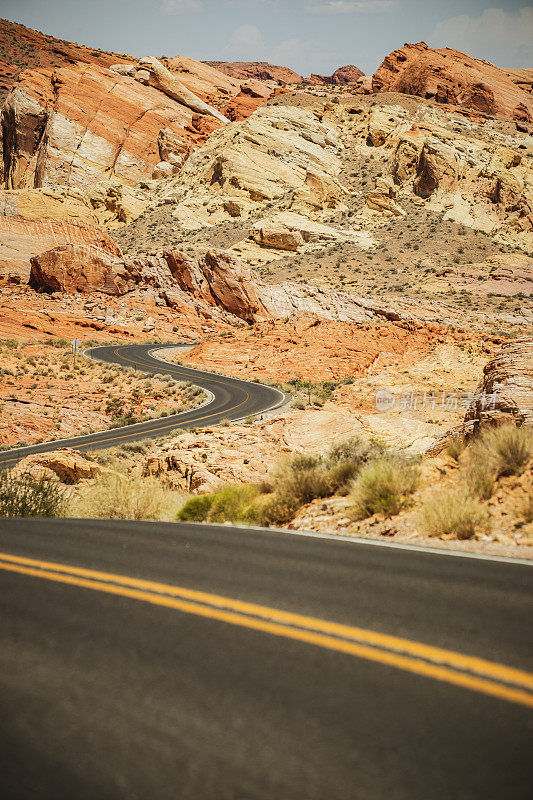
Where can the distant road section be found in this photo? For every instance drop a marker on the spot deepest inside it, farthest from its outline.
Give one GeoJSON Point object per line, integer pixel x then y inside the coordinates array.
{"type": "Point", "coordinates": [231, 399]}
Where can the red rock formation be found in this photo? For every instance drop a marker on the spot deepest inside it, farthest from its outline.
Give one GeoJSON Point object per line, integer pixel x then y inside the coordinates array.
{"type": "Point", "coordinates": [78, 268]}
{"type": "Point", "coordinates": [82, 124]}
{"type": "Point", "coordinates": [20, 239]}
{"type": "Point", "coordinates": [243, 70]}
{"type": "Point", "coordinates": [22, 48]}
{"type": "Point", "coordinates": [343, 76]}
{"type": "Point", "coordinates": [448, 76]}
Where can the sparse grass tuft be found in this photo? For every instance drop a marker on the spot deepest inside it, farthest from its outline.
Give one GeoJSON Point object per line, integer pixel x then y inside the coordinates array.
{"type": "Point", "coordinates": [455, 448]}
{"type": "Point", "coordinates": [454, 513]}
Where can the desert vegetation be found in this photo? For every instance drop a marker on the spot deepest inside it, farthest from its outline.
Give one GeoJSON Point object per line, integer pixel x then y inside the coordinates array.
{"type": "Point", "coordinates": [44, 396]}
{"type": "Point", "coordinates": [27, 495]}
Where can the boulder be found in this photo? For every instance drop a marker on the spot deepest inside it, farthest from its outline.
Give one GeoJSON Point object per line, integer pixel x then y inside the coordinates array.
{"type": "Point", "coordinates": [78, 268]}
{"type": "Point", "coordinates": [67, 464]}
{"type": "Point", "coordinates": [278, 236]}
{"type": "Point", "coordinates": [21, 239]}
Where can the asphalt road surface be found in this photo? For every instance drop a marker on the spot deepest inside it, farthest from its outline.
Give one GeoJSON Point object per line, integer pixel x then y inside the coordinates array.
{"type": "Point", "coordinates": [232, 399]}
{"type": "Point", "coordinates": [148, 660]}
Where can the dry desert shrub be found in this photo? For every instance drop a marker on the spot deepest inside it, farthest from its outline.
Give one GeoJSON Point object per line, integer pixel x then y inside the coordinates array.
{"type": "Point", "coordinates": [383, 486]}
{"type": "Point", "coordinates": [454, 513]}
{"type": "Point", "coordinates": [495, 453]}
{"type": "Point", "coordinates": [26, 495]}
{"type": "Point", "coordinates": [118, 496]}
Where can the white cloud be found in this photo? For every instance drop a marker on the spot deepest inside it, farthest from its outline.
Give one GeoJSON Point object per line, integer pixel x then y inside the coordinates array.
{"type": "Point", "coordinates": [246, 42]}
{"type": "Point", "coordinates": [496, 35]}
{"type": "Point", "coordinates": [175, 6]}
{"type": "Point", "coordinates": [349, 7]}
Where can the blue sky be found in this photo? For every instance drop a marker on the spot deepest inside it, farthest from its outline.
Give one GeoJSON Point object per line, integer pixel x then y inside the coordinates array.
{"type": "Point", "coordinates": [307, 35]}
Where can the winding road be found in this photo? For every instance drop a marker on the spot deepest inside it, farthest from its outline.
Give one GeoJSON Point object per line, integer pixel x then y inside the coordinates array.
{"type": "Point", "coordinates": [231, 398]}
{"type": "Point", "coordinates": [178, 661]}
{"type": "Point", "coordinates": [148, 660]}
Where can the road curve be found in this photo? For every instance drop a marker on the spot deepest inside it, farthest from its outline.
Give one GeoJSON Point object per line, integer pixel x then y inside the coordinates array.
{"type": "Point", "coordinates": [231, 399]}
{"type": "Point", "coordinates": [179, 661]}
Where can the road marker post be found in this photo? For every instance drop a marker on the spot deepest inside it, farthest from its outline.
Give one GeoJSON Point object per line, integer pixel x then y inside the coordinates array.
{"type": "Point", "coordinates": [75, 344]}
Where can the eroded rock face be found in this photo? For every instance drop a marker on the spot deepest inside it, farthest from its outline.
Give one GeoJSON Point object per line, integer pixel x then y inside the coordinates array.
{"type": "Point", "coordinates": [506, 392]}
{"type": "Point", "coordinates": [278, 151]}
{"type": "Point", "coordinates": [83, 123]}
{"type": "Point", "coordinates": [450, 77]}
{"type": "Point", "coordinates": [475, 172]}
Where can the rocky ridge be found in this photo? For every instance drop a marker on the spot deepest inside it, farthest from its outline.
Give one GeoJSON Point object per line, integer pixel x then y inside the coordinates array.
{"type": "Point", "coordinates": [22, 48]}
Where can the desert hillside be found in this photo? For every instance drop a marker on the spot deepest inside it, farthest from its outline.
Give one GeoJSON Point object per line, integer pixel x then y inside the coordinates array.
{"type": "Point", "coordinates": [345, 238]}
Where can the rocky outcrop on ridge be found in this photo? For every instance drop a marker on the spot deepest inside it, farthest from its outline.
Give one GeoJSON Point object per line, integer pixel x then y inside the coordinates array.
{"type": "Point", "coordinates": [343, 76]}
{"type": "Point", "coordinates": [260, 70]}
{"type": "Point", "coordinates": [450, 77]}
{"type": "Point", "coordinates": [22, 48]}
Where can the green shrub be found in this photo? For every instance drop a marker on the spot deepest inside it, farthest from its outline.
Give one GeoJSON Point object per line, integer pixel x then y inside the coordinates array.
{"type": "Point", "coordinates": [383, 486]}
{"type": "Point", "coordinates": [195, 508]}
{"type": "Point", "coordinates": [233, 503]}
{"type": "Point", "coordinates": [454, 513]}
{"type": "Point", "coordinates": [25, 495]}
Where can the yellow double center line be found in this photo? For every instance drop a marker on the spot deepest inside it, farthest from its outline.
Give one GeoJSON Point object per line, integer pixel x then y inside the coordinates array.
{"type": "Point", "coordinates": [469, 672]}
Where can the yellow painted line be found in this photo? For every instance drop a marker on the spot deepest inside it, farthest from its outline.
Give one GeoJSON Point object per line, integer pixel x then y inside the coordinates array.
{"type": "Point", "coordinates": [448, 666]}
{"type": "Point", "coordinates": [159, 428]}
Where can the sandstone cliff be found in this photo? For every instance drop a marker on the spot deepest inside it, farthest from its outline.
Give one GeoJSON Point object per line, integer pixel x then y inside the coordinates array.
{"type": "Point", "coordinates": [83, 123]}
{"type": "Point", "coordinates": [450, 77]}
